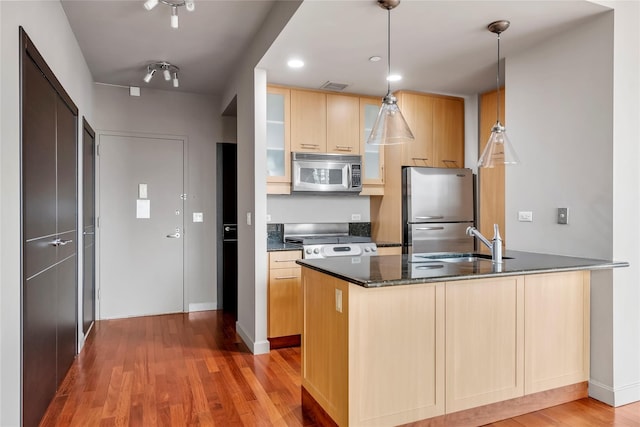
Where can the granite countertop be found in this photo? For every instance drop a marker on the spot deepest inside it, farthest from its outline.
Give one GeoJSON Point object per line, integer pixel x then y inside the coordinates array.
{"type": "Point", "coordinates": [388, 244]}
{"type": "Point", "coordinates": [273, 246]}
{"type": "Point", "coordinates": [393, 270]}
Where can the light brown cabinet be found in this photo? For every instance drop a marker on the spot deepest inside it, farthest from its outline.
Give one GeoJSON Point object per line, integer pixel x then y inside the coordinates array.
{"type": "Point", "coordinates": [390, 250]}
{"type": "Point", "coordinates": [484, 341]}
{"type": "Point", "coordinates": [284, 304]}
{"type": "Point", "coordinates": [448, 132]}
{"type": "Point", "coordinates": [278, 140]}
{"type": "Point", "coordinates": [417, 110]}
{"type": "Point", "coordinates": [343, 124]}
{"type": "Point", "coordinates": [308, 121]}
{"type": "Point", "coordinates": [556, 330]}
{"type": "Point", "coordinates": [372, 155]}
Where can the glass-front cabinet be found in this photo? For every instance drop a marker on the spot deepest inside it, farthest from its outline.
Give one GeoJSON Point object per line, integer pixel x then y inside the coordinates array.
{"type": "Point", "coordinates": [372, 155]}
{"type": "Point", "coordinates": [278, 140]}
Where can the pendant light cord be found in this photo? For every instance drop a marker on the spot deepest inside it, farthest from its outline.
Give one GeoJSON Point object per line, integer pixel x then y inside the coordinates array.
{"type": "Point", "coordinates": [388, 51]}
{"type": "Point", "coordinates": [498, 84]}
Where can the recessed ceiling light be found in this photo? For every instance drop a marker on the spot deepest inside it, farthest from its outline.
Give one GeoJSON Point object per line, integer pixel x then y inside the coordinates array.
{"type": "Point", "coordinates": [295, 63]}
{"type": "Point", "coordinates": [375, 58]}
{"type": "Point", "coordinates": [394, 77]}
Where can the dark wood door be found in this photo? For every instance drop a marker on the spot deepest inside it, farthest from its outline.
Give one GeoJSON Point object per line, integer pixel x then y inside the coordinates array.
{"type": "Point", "coordinates": [49, 217]}
{"type": "Point", "coordinates": [89, 218]}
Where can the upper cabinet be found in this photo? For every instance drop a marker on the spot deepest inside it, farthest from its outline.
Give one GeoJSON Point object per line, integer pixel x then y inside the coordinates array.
{"type": "Point", "coordinates": [278, 140]}
{"type": "Point", "coordinates": [372, 155]}
{"type": "Point", "coordinates": [308, 121]}
{"type": "Point", "coordinates": [343, 120]}
{"type": "Point", "coordinates": [417, 110]}
{"type": "Point", "coordinates": [437, 123]}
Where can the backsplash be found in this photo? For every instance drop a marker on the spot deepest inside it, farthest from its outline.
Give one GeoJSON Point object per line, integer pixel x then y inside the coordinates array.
{"type": "Point", "coordinates": [275, 232]}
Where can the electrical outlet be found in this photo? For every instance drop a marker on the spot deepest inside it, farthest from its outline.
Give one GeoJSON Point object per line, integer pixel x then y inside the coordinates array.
{"type": "Point", "coordinates": [356, 217]}
{"type": "Point", "coordinates": [339, 300]}
{"type": "Point", "coordinates": [563, 215]}
{"type": "Point", "coordinates": [198, 217]}
{"type": "Point", "coordinates": [525, 216]}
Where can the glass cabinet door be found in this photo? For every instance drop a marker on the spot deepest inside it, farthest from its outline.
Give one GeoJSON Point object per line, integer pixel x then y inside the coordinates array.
{"type": "Point", "coordinates": [372, 155]}
{"type": "Point", "coordinates": [278, 148]}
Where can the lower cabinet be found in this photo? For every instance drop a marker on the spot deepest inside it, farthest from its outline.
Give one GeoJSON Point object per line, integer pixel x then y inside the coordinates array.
{"type": "Point", "coordinates": [485, 341]}
{"type": "Point", "coordinates": [284, 307]}
{"type": "Point", "coordinates": [461, 352]}
{"type": "Point", "coordinates": [389, 250]}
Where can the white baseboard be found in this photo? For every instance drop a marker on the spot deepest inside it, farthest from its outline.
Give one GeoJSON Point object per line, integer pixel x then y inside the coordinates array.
{"type": "Point", "coordinates": [203, 306]}
{"type": "Point", "coordinates": [614, 397]}
{"type": "Point", "coordinates": [258, 347]}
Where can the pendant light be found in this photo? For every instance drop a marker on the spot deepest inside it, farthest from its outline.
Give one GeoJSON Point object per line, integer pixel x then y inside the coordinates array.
{"type": "Point", "coordinates": [498, 150]}
{"type": "Point", "coordinates": [390, 126]}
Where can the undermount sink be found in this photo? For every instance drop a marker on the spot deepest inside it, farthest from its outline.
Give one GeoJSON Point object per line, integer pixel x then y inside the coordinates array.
{"type": "Point", "coordinates": [453, 257]}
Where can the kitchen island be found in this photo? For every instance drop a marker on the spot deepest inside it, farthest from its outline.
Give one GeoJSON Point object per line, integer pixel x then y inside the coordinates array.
{"type": "Point", "coordinates": [391, 340]}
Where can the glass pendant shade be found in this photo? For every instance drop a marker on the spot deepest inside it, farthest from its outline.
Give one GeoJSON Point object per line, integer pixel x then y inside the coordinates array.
{"type": "Point", "coordinates": [390, 126]}
{"type": "Point", "coordinates": [498, 150]}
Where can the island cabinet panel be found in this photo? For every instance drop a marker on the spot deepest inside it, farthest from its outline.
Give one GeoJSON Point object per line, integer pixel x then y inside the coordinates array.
{"type": "Point", "coordinates": [556, 330]}
{"type": "Point", "coordinates": [284, 307]}
{"type": "Point", "coordinates": [484, 341]}
{"type": "Point", "coordinates": [396, 353]}
{"type": "Point", "coordinates": [325, 343]}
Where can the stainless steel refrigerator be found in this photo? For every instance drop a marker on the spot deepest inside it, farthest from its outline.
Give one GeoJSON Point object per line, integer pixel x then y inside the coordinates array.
{"type": "Point", "coordinates": [437, 208]}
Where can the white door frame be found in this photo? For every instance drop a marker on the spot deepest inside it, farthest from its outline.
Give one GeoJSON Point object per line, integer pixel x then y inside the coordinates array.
{"type": "Point", "coordinates": [185, 171]}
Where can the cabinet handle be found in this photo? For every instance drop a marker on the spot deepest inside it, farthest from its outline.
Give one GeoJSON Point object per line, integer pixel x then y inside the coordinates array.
{"type": "Point", "coordinates": [286, 277]}
{"type": "Point", "coordinates": [430, 217]}
{"type": "Point", "coordinates": [310, 145]}
{"type": "Point", "coordinates": [344, 147]}
{"type": "Point", "coordinates": [446, 163]}
{"type": "Point", "coordinates": [423, 159]}
{"type": "Point", "coordinates": [284, 260]}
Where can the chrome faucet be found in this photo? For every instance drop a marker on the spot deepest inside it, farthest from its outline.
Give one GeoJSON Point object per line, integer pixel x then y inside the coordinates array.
{"type": "Point", "coordinates": [495, 245]}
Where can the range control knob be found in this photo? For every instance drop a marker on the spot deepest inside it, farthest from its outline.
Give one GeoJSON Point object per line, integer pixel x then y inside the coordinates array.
{"type": "Point", "coordinates": [316, 251]}
{"type": "Point", "coordinates": [366, 249]}
{"type": "Point", "coordinates": [308, 251]}
{"type": "Point", "coordinates": [373, 249]}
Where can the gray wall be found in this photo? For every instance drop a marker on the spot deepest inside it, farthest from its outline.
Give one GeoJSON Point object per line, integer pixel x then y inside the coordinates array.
{"type": "Point", "coordinates": [309, 209]}
{"type": "Point", "coordinates": [576, 153]}
{"type": "Point", "coordinates": [167, 112]}
{"type": "Point", "coordinates": [47, 26]}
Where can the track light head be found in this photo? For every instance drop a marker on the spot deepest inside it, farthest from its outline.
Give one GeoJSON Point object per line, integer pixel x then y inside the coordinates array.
{"type": "Point", "coordinates": [149, 75]}
{"type": "Point", "coordinates": [176, 83]}
{"type": "Point", "coordinates": [150, 4]}
{"type": "Point", "coordinates": [167, 74]}
{"type": "Point", "coordinates": [174, 16]}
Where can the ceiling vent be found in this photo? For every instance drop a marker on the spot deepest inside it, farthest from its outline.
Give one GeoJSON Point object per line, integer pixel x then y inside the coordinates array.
{"type": "Point", "coordinates": [336, 87]}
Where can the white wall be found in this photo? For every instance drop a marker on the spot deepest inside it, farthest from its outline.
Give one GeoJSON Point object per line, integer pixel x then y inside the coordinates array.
{"type": "Point", "coordinates": [301, 208]}
{"type": "Point", "coordinates": [195, 117]}
{"type": "Point", "coordinates": [47, 26]}
{"type": "Point", "coordinates": [249, 85]}
{"type": "Point", "coordinates": [576, 153]}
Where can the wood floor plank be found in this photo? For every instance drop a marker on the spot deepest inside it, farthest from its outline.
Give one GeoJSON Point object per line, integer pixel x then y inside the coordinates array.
{"type": "Point", "coordinates": [193, 370]}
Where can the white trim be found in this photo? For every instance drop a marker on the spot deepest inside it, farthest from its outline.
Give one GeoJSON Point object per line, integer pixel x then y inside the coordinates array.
{"type": "Point", "coordinates": [202, 306]}
{"type": "Point", "coordinates": [260, 347]}
{"type": "Point", "coordinates": [614, 397]}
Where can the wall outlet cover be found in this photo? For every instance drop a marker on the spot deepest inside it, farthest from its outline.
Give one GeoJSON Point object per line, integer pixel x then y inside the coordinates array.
{"type": "Point", "coordinates": [563, 216]}
{"type": "Point", "coordinates": [525, 216]}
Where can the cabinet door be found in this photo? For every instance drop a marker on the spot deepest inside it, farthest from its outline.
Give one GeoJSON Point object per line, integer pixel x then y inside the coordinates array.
{"type": "Point", "coordinates": [372, 155]}
{"type": "Point", "coordinates": [485, 341]}
{"type": "Point", "coordinates": [448, 132]}
{"type": "Point", "coordinates": [285, 304]}
{"type": "Point", "coordinates": [418, 112]}
{"type": "Point", "coordinates": [278, 146]}
{"type": "Point", "coordinates": [556, 330]}
{"type": "Point", "coordinates": [308, 121]}
{"type": "Point", "coordinates": [343, 120]}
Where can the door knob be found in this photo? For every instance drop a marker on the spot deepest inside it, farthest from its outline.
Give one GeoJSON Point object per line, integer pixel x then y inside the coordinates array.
{"type": "Point", "coordinates": [60, 242]}
{"type": "Point", "coordinates": [174, 236]}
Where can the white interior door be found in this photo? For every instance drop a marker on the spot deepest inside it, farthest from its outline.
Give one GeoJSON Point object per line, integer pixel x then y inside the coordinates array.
{"type": "Point", "coordinates": [140, 235]}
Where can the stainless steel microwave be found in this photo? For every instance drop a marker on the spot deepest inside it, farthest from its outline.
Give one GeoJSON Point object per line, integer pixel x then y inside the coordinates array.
{"type": "Point", "coordinates": [322, 173]}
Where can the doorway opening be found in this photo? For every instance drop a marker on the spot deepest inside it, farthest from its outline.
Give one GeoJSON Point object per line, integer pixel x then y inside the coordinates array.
{"type": "Point", "coordinates": [227, 214]}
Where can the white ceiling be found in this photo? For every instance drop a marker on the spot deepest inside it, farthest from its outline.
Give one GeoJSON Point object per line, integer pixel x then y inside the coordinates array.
{"type": "Point", "coordinates": [438, 46]}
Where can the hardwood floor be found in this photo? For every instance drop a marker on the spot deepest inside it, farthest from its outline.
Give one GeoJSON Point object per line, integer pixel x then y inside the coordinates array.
{"type": "Point", "coordinates": [192, 370]}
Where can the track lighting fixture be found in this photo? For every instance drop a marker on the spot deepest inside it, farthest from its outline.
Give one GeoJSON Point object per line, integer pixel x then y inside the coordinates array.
{"type": "Point", "coordinates": [167, 70]}
{"type": "Point", "coordinates": [174, 5]}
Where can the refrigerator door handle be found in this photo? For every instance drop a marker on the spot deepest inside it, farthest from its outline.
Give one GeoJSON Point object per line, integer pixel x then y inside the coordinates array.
{"type": "Point", "coordinates": [429, 228]}
{"type": "Point", "coordinates": [430, 217]}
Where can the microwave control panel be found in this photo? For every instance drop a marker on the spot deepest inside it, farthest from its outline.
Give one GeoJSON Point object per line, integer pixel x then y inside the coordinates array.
{"type": "Point", "coordinates": [356, 176]}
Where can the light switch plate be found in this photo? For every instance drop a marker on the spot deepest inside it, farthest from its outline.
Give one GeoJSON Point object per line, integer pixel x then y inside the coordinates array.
{"type": "Point", "coordinates": [525, 216]}
{"type": "Point", "coordinates": [142, 191]}
{"type": "Point", "coordinates": [248, 218]}
{"type": "Point", "coordinates": [198, 217]}
{"type": "Point", "coordinates": [563, 215]}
